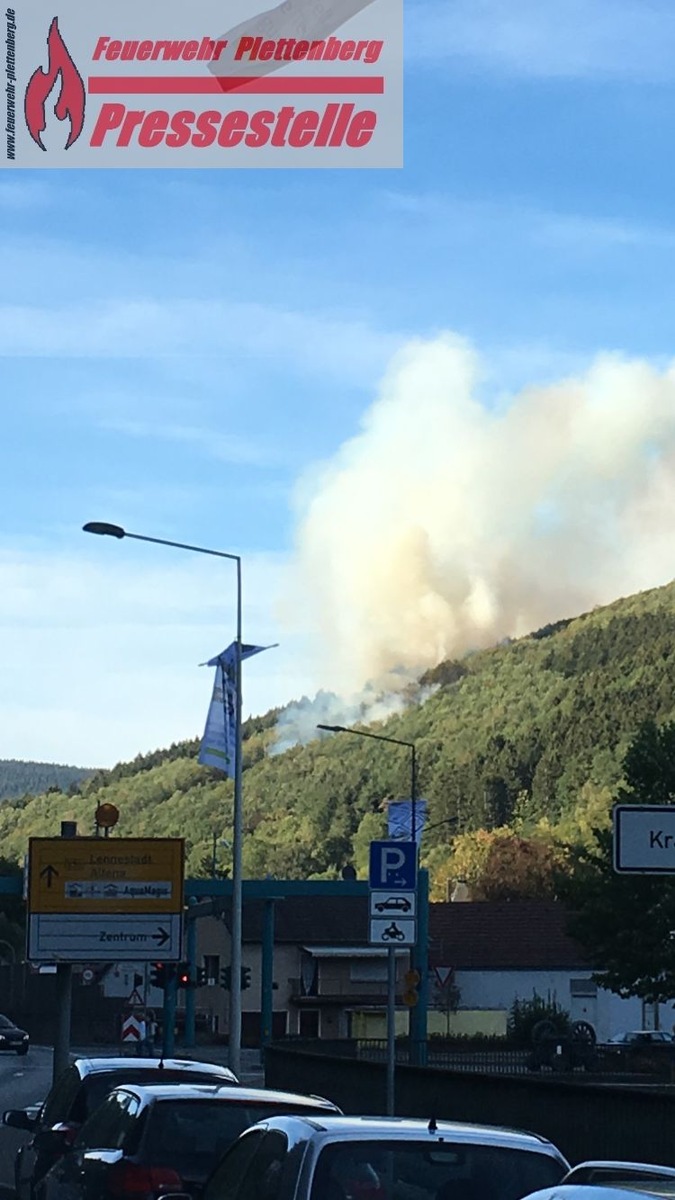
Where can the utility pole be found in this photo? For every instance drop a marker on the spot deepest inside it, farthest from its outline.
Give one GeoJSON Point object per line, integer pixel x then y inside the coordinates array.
{"type": "Point", "coordinates": [64, 994]}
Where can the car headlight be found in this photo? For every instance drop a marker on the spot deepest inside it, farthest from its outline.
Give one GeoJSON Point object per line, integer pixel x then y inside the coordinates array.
{"type": "Point", "coordinates": [25, 1037]}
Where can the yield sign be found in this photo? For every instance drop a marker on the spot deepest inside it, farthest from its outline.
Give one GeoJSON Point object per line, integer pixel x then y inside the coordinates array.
{"type": "Point", "coordinates": [443, 974]}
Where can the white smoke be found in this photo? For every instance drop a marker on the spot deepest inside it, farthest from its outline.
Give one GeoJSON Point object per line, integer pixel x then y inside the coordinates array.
{"type": "Point", "coordinates": [448, 524]}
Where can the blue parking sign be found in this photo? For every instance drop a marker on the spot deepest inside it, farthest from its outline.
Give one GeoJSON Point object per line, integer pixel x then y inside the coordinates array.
{"type": "Point", "coordinates": [393, 866]}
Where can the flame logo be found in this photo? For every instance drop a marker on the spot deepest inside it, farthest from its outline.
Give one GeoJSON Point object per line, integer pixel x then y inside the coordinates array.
{"type": "Point", "coordinates": [71, 101]}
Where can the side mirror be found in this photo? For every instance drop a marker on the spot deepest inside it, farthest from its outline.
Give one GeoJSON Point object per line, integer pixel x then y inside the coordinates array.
{"type": "Point", "coordinates": [19, 1118]}
{"type": "Point", "coordinates": [59, 1138]}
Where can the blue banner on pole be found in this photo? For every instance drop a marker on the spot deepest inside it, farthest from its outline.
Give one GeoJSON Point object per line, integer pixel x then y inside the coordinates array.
{"type": "Point", "coordinates": [400, 820]}
{"type": "Point", "coordinates": [219, 743]}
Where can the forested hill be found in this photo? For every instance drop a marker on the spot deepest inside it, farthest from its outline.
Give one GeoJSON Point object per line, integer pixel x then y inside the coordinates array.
{"type": "Point", "coordinates": [529, 735]}
{"type": "Point", "coordinates": [21, 778]}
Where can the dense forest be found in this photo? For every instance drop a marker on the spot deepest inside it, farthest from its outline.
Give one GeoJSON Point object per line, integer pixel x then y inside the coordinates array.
{"type": "Point", "coordinates": [519, 750]}
{"type": "Point", "coordinates": [30, 778]}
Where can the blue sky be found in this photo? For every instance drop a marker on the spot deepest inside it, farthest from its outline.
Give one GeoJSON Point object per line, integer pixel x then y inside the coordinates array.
{"type": "Point", "coordinates": [181, 350]}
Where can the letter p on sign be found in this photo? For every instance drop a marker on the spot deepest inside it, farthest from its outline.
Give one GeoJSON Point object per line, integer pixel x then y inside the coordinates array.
{"type": "Point", "coordinates": [393, 866]}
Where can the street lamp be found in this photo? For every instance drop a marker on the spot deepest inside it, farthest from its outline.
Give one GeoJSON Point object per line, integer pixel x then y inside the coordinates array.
{"type": "Point", "coordinates": [379, 737]}
{"type": "Point", "coordinates": [116, 531]}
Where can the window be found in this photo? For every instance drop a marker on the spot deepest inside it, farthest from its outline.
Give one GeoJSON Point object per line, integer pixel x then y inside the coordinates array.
{"type": "Point", "coordinates": [583, 987]}
{"type": "Point", "coordinates": [224, 1183]}
{"type": "Point", "coordinates": [107, 1128]}
{"type": "Point", "coordinates": [61, 1099]}
{"type": "Point", "coordinates": [383, 1170]}
{"type": "Point", "coordinates": [262, 1180]}
{"type": "Point", "coordinates": [309, 1022]}
{"type": "Point", "coordinates": [368, 971]}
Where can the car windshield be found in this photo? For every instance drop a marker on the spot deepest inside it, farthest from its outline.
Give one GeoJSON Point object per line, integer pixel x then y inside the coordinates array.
{"type": "Point", "coordinates": [191, 1135]}
{"type": "Point", "coordinates": [422, 1171]}
{"type": "Point", "coordinates": [5, 1023]}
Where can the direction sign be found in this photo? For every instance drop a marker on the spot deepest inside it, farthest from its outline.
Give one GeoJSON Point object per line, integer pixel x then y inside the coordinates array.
{"type": "Point", "coordinates": [393, 866]}
{"type": "Point", "coordinates": [644, 839]}
{"type": "Point", "coordinates": [105, 875]}
{"type": "Point", "coordinates": [392, 931]}
{"type": "Point", "coordinates": [92, 937]}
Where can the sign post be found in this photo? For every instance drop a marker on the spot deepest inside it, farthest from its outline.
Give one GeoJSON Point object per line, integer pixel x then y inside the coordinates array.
{"type": "Point", "coordinates": [393, 908]}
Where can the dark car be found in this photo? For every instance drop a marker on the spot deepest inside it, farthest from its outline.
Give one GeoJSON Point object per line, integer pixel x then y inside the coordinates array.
{"type": "Point", "coordinates": [78, 1091]}
{"type": "Point", "coordinates": [12, 1037]}
{"type": "Point", "coordinates": [144, 1141]}
{"type": "Point", "coordinates": [383, 1158]}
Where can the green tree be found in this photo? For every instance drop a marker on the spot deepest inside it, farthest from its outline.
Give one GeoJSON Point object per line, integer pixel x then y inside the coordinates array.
{"type": "Point", "coordinates": [626, 922]}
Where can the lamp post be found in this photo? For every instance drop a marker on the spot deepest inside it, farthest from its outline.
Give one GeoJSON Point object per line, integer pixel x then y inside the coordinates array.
{"type": "Point", "coordinates": [380, 737]}
{"type": "Point", "coordinates": [116, 531]}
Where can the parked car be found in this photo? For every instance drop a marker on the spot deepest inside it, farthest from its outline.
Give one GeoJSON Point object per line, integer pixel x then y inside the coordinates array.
{"type": "Point", "coordinates": [78, 1091]}
{"type": "Point", "coordinates": [12, 1037]}
{"type": "Point", "coordinates": [383, 1158]}
{"type": "Point", "coordinates": [621, 1173]}
{"type": "Point", "coordinates": [642, 1037]}
{"type": "Point", "coordinates": [601, 1191]}
{"type": "Point", "coordinates": [147, 1140]}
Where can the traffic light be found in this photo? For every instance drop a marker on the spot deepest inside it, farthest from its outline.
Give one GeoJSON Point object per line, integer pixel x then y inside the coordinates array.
{"type": "Point", "coordinates": [158, 975]}
{"type": "Point", "coordinates": [183, 975]}
{"type": "Point", "coordinates": [226, 978]}
{"type": "Point", "coordinates": [201, 977]}
{"type": "Point", "coordinates": [410, 995]}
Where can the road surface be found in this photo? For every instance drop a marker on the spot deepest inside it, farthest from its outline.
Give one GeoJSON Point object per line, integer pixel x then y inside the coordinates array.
{"type": "Point", "coordinates": [23, 1081]}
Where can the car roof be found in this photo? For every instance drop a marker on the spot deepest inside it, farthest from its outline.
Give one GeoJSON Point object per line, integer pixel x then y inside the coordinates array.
{"type": "Point", "coordinates": [593, 1191]}
{"type": "Point", "coordinates": [410, 1128]}
{"type": "Point", "coordinates": [601, 1164]}
{"type": "Point", "coordinates": [225, 1092]}
{"type": "Point", "coordinates": [94, 1066]}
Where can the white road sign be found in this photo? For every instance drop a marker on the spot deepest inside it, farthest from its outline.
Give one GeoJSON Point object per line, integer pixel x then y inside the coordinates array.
{"type": "Point", "coordinates": [395, 904]}
{"type": "Point", "coordinates": [644, 839]}
{"type": "Point", "coordinates": [392, 931]}
{"type": "Point", "coordinates": [97, 937]}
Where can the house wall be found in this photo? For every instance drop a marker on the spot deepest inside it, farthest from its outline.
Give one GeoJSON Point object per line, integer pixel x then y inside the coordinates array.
{"type": "Point", "coordinates": [609, 1014]}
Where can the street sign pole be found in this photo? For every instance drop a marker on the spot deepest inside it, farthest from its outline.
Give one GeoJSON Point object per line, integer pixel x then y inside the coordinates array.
{"type": "Point", "coordinates": [392, 881]}
{"type": "Point", "coordinates": [391, 1031]}
{"type": "Point", "coordinates": [64, 998]}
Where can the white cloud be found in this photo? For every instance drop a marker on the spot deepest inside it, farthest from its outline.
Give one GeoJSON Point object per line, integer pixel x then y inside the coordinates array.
{"type": "Point", "coordinates": [101, 653]}
{"type": "Point", "coordinates": [587, 39]}
{"type": "Point", "coordinates": [572, 233]}
{"type": "Point", "coordinates": [168, 328]}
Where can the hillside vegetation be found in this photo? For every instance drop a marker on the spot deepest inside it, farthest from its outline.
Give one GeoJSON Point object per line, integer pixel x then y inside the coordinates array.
{"type": "Point", "coordinates": [30, 778]}
{"type": "Point", "coordinates": [527, 737]}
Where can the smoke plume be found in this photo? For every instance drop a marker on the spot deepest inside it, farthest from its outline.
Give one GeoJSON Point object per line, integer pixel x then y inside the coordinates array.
{"type": "Point", "coordinates": [449, 523]}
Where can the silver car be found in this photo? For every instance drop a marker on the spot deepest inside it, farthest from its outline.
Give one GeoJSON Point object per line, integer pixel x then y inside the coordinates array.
{"type": "Point", "coordinates": [623, 1174]}
{"type": "Point", "coordinates": [601, 1191]}
{"type": "Point", "coordinates": [383, 1158]}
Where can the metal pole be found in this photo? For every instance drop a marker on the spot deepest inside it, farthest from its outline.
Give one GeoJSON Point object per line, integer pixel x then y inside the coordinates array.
{"type": "Point", "coordinates": [237, 831]}
{"type": "Point", "coordinates": [170, 996]}
{"type": "Point", "coordinates": [413, 793]}
{"type": "Point", "coordinates": [267, 979]}
{"type": "Point", "coordinates": [391, 1030]}
{"type": "Point", "coordinates": [191, 940]}
{"type": "Point", "coordinates": [64, 994]}
{"type": "Point", "coordinates": [419, 1017]}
